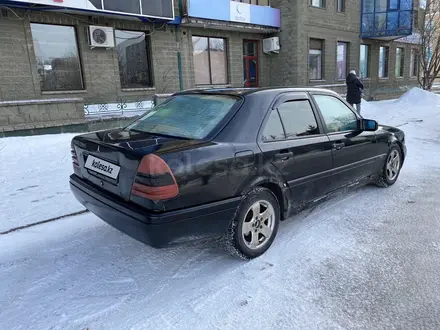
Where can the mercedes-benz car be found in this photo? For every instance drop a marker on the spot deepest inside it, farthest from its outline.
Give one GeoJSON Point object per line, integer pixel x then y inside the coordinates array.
{"type": "Point", "coordinates": [230, 163]}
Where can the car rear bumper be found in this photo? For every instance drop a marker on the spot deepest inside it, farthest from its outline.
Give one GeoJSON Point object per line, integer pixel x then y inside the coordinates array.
{"type": "Point", "coordinates": [155, 229]}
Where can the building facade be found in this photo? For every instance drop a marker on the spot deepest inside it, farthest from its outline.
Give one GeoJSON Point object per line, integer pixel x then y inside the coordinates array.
{"type": "Point", "coordinates": [53, 62]}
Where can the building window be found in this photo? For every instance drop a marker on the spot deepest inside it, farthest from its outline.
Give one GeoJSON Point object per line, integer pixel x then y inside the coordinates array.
{"type": "Point", "coordinates": [315, 59]}
{"type": "Point", "coordinates": [210, 61]}
{"type": "Point", "coordinates": [318, 3]}
{"type": "Point", "coordinates": [364, 61]}
{"type": "Point", "coordinates": [414, 65]}
{"type": "Point", "coordinates": [342, 60]}
{"type": "Point", "coordinates": [133, 51]}
{"type": "Point", "coordinates": [57, 55]}
{"type": "Point", "coordinates": [399, 61]}
{"type": "Point", "coordinates": [383, 62]}
{"type": "Point", "coordinates": [340, 6]}
{"type": "Point", "coordinates": [393, 4]}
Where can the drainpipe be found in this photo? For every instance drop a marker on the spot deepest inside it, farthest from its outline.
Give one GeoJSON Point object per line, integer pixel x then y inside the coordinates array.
{"type": "Point", "coordinates": [179, 55]}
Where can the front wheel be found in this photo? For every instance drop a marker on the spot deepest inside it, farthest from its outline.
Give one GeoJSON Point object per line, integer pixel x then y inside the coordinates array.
{"type": "Point", "coordinates": [255, 225]}
{"type": "Point", "coordinates": [391, 168]}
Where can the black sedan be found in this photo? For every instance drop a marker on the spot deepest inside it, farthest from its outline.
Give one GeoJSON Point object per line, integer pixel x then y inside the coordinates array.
{"type": "Point", "coordinates": [230, 163]}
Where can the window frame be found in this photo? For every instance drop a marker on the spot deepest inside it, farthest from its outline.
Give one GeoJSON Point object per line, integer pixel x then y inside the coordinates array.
{"type": "Point", "coordinates": [321, 116]}
{"type": "Point", "coordinates": [81, 65]}
{"type": "Point", "coordinates": [340, 6]}
{"type": "Point", "coordinates": [368, 47]}
{"type": "Point", "coordinates": [209, 59]}
{"type": "Point", "coordinates": [402, 63]}
{"type": "Point", "coordinates": [414, 64]}
{"type": "Point", "coordinates": [149, 53]}
{"type": "Point", "coordinates": [322, 6]}
{"type": "Point", "coordinates": [346, 59]}
{"type": "Point", "coordinates": [322, 54]}
{"type": "Point", "coordinates": [291, 97]}
{"type": "Point", "coordinates": [386, 63]}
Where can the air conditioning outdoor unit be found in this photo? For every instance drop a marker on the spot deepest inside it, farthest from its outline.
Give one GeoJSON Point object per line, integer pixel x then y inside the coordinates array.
{"type": "Point", "coordinates": [271, 45]}
{"type": "Point", "coordinates": [101, 36]}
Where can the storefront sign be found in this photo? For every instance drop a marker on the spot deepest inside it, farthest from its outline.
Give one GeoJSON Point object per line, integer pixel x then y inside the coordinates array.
{"type": "Point", "coordinates": [240, 12]}
{"type": "Point", "coordinates": [234, 11]}
{"type": "Point", "coordinates": [162, 9]}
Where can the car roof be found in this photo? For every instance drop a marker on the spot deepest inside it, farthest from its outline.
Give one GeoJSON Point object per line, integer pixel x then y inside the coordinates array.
{"type": "Point", "coordinates": [242, 91]}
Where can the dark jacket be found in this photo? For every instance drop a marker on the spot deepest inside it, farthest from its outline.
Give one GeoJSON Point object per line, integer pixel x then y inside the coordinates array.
{"type": "Point", "coordinates": [354, 89]}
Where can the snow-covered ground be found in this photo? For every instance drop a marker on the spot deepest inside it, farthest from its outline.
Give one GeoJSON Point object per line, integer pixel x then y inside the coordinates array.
{"type": "Point", "coordinates": [368, 259]}
{"type": "Point", "coordinates": [34, 180]}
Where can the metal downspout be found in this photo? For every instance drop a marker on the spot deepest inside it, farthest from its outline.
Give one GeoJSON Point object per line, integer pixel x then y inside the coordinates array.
{"type": "Point", "coordinates": [179, 56]}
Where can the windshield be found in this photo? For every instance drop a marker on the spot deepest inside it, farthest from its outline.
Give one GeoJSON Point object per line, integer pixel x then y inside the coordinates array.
{"type": "Point", "coordinates": [187, 116]}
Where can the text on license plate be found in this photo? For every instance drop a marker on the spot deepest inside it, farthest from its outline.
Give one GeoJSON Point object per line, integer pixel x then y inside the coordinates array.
{"type": "Point", "coordinates": [102, 167]}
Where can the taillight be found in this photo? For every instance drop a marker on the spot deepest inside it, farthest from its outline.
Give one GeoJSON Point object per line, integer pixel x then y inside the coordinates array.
{"type": "Point", "coordinates": [154, 179]}
{"type": "Point", "coordinates": [74, 156]}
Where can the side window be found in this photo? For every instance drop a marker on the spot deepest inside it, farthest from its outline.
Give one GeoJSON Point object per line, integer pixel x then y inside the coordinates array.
{"type": "Point", "coordinates": [298, 118]}
{"type": "Point", "coordinates": [337, 116]}
{"type": "Point", "coordinates": [273, 129]}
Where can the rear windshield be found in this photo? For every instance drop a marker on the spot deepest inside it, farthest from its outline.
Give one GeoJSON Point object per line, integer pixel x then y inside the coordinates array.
{"type": "Point", "coordinates": [186, 116]}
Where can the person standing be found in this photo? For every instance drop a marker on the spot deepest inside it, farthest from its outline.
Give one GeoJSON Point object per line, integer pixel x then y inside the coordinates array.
{"type": "Point", "coordinates": [354, 90]}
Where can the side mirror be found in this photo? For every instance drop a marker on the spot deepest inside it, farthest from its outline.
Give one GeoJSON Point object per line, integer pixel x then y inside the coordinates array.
{"type": "Point", "coordinates": [368, 125]}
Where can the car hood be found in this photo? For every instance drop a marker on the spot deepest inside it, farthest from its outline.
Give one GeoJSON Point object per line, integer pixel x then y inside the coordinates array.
{"type": "Point", "coordinates": [393, 130]}
{"type": "Point", "coordinates": [389, 128]}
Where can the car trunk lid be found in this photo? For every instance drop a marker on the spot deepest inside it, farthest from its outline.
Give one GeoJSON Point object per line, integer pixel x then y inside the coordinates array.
{"type": "Point", "coordinates": [109, 159]}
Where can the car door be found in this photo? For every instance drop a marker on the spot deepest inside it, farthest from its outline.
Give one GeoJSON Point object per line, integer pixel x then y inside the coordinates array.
{"type": "Point", "coordinates": [354, 151]}
{"type": "Point", "coordinates": [293, 139]}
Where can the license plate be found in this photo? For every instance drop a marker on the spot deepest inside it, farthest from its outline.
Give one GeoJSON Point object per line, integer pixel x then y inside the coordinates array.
{"type": "Point", "coordinates": [102, 167]}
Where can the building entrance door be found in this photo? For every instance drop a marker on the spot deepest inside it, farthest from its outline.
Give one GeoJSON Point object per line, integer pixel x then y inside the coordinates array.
{"type": "Point", "coordinates": [250, 63]}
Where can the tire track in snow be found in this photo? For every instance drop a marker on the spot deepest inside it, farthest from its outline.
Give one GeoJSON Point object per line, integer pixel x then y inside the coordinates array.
{"type": "Point", "coordinates": [43, 222]}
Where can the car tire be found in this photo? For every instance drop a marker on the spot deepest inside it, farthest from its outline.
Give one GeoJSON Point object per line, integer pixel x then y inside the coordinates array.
{"type": "Point", "coordinates": [391, 168]}
{"type": "Point", "coordinates": [255, 225]}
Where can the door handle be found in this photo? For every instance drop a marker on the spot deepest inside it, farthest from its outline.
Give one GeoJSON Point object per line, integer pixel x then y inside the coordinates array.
{"type": "Point", "coordinates": [338, 145]}
{"type": "Point", "coordinates": [283, 155]}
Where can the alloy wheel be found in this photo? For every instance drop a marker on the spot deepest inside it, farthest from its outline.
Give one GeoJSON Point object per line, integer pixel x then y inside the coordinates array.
{"type": "Point", "coordinates": [258, 225]}
{"type": "Point", "coordinates": [393, 165]}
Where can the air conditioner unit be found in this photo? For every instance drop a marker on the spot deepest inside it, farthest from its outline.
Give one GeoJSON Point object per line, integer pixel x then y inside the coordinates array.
{"type": "Point", "coordinates": [101, 36]}
{"type": "Point", "coordinates": [271, 45]}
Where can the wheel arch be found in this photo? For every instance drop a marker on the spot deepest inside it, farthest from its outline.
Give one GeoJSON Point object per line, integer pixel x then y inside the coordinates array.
{"type": "Point", "coordinates": [277, 188]}
{"type": "Point", "coordinates": [394, 141]}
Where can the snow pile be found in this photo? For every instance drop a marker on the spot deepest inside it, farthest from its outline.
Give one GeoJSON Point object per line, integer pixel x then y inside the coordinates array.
{"type": "Point", "coordinates": [369, 107]}
{"type": "Point", "coordinates": [412, 109]}
{"type": "Point", "coordinates": [418, 97]}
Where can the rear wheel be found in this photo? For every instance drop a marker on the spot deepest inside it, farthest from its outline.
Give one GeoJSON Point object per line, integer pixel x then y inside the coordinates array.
{"type": "Point", "coordinates": [254, 226]}
{"type": "Point", "coordinates": [391, 169]}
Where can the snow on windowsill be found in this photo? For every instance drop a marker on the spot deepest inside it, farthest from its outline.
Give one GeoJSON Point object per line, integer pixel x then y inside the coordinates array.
{"type": "Point", "coordinates": [40, 101]}
{"type": "Point", "coordinates": [82, 91]}
{"type": "Point", "coordinates": [146, 89]}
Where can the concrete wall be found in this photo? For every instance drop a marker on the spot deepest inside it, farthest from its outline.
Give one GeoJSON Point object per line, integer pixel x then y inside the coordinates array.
{"type": "Point", "coordinates": [30, 114]}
